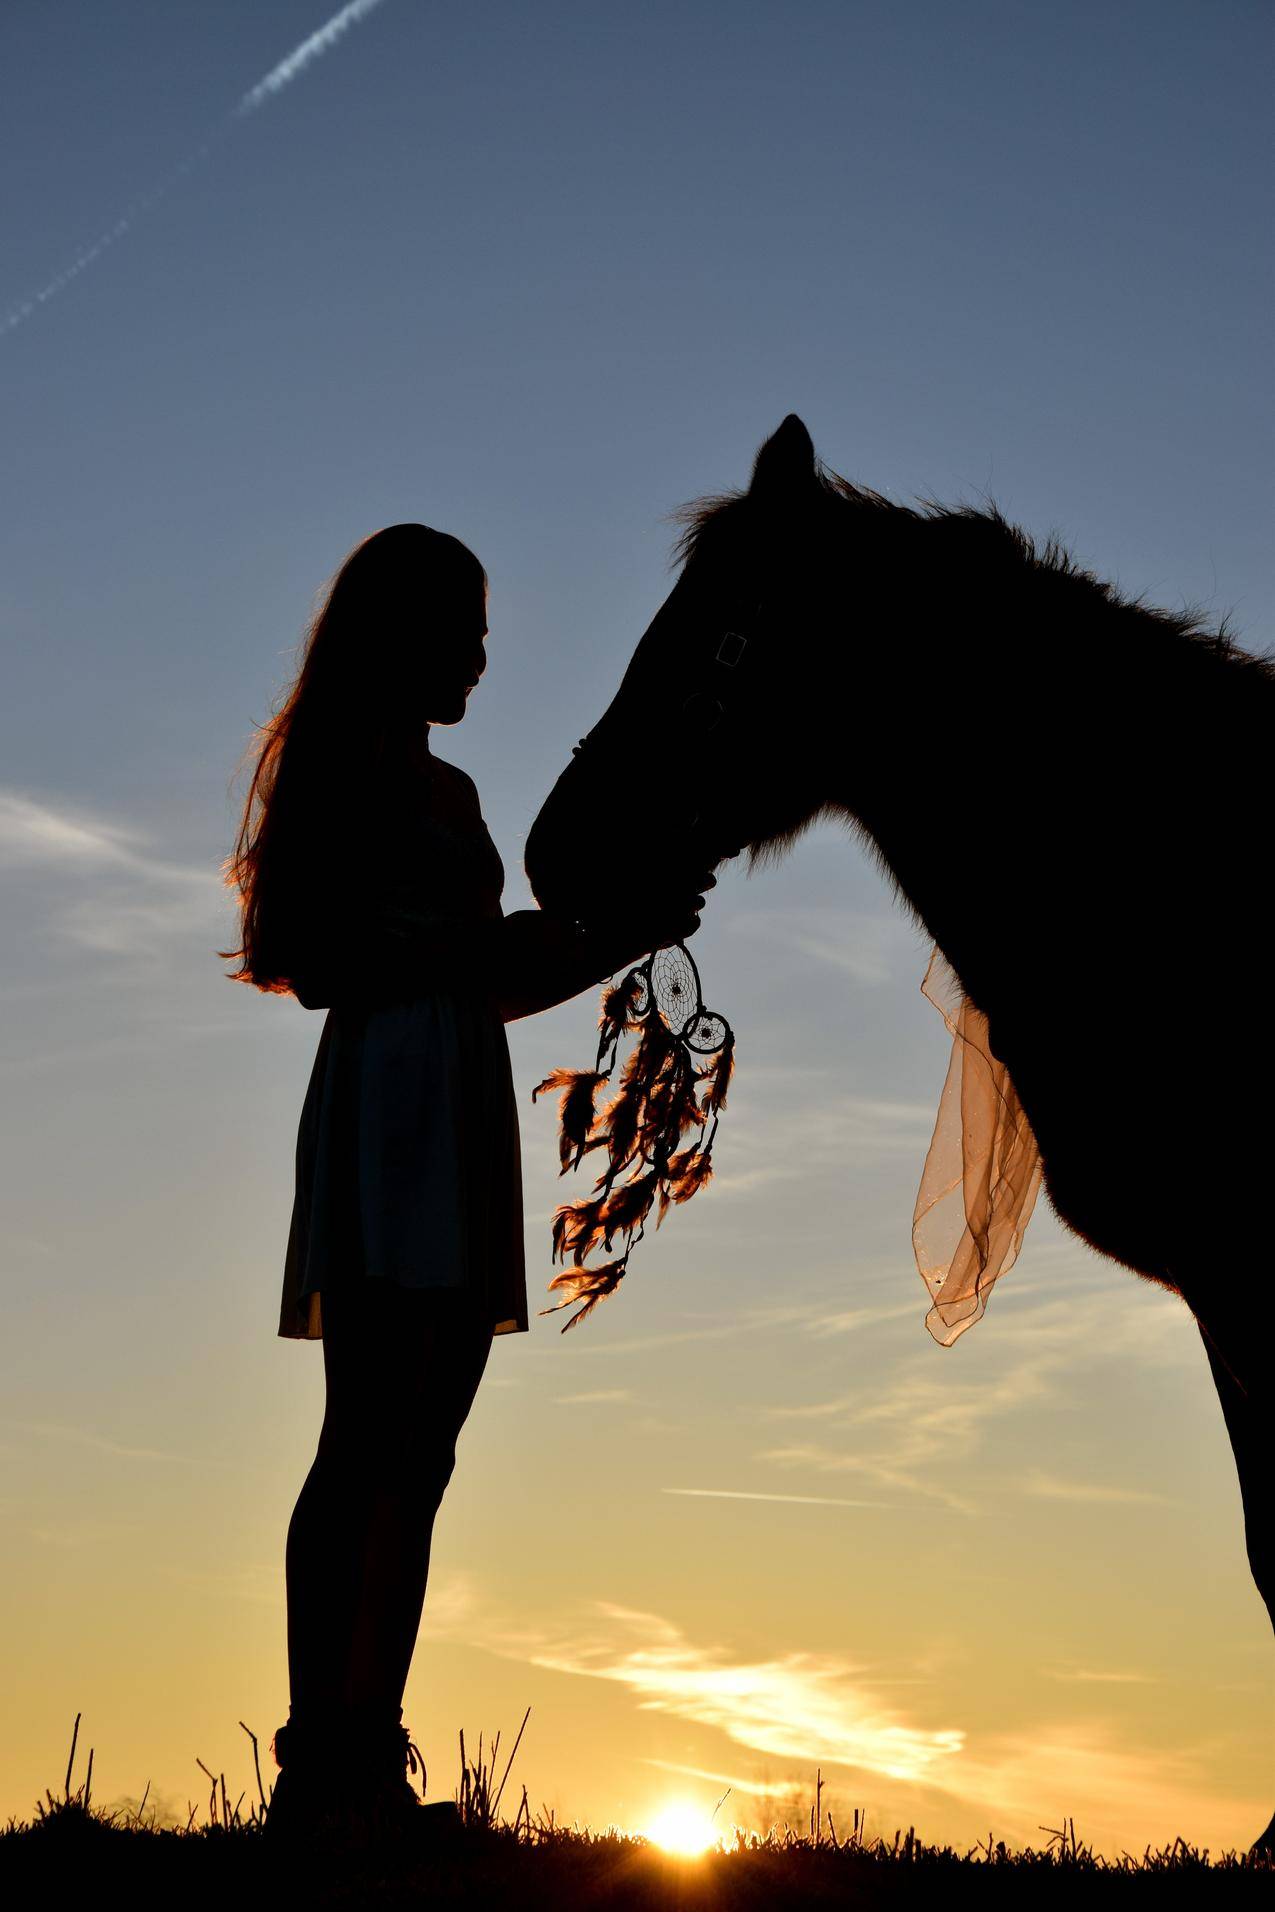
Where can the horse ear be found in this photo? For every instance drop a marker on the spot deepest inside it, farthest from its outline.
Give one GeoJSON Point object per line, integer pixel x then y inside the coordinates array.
{"type": "Point", "coordinates": [786, 462]}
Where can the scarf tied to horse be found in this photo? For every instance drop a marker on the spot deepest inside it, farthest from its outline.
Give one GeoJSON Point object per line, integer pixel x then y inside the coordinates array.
{"type": "Point", "coordinates": [981, 1175]}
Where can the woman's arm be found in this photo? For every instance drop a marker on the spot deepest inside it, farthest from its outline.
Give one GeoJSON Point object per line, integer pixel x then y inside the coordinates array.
{"type": "Point", "coordinates": [526, 962]}
{"type": "Point", "coordinates": [542, 959]}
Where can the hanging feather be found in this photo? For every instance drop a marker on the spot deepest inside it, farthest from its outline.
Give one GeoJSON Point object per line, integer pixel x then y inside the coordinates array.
{"type": "Point", "coordinates": [628, 1206]}
{"type": "Point", "coordinates": [557, 1079]}
{"type": "Point", "coordinates": [575, 1110]}
{"type": "Point", "coordinates": [719, 1073]}
{"type": "Point", "coordinates": [695, 1173]}
{"type": "Point", "coordinates": [622, 1118]}
{"type": "Point", "coordinates": [615, 1005]}
{"type": "Point", "coordinates": [616, 1016]}
{"type": "Point", "coordinates": [662, 1093]}
{"type": "Point", "coordinates": [590, 1285]}
{"type": "Point", "coordinates": [689, 1170]}
{"type": "Point", "coordinates": [678, 1108]}
{"type": "Point", "coordinates": [577, 1227]}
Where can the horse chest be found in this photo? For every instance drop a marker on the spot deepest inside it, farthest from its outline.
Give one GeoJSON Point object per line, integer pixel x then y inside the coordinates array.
{"type": "Point", "coordinates": [1109, 1151]}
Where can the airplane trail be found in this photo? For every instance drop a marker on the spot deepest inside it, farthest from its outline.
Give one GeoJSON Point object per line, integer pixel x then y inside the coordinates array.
{"type": "Point", "coordinates": [265, 90]}
{"type": "Point", "coordinates": [303, 56]}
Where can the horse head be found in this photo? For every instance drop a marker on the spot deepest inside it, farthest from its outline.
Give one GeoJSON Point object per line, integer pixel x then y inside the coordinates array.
{"type": "Point", "coordinates": [711, 743]}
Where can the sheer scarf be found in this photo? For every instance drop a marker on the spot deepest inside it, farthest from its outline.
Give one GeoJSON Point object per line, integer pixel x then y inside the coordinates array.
{"type": "Point", "coordinates": [981, 1175]}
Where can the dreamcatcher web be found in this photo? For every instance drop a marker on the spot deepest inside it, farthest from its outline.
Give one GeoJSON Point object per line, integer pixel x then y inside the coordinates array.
{"type": "Point", "coordinates": [675, 985]}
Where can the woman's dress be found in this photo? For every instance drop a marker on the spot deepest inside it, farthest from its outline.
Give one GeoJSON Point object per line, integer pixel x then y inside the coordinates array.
{"type": "Point", "coordinates": [407, 1160]}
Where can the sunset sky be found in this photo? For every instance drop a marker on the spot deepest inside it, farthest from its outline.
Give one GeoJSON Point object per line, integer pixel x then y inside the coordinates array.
{"type": "Point", "coordinates": [537, 274]}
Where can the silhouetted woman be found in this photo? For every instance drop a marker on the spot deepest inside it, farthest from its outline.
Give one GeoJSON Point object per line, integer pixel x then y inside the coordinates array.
{"type": "Point", "coordinates": [369, 886]}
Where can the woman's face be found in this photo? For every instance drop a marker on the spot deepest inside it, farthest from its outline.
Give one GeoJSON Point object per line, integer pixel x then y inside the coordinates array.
{"type": "Point", "coordinates": [458, 658]}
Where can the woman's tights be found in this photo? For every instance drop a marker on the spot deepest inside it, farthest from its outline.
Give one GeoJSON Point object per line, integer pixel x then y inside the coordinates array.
{"type": "Point", "coordinates": [402, 1367]}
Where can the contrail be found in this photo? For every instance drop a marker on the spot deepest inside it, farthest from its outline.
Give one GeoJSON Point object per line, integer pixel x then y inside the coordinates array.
{"type": "Point", "coordinates": [303, 56]}
{"type": "Point", "coordinates": [257, 96]}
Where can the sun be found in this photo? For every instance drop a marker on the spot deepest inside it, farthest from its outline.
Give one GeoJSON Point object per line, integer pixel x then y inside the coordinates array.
{"type": "Point", "coordinates": [682, 1829]}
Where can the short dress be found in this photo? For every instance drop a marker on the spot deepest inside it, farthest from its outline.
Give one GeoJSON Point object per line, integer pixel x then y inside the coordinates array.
{"type": "Point", "coordinates": [408, 1165]}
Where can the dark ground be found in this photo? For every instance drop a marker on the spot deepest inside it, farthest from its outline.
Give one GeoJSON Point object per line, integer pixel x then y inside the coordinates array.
{"type": "Point", "coordinates": [68, 1856]}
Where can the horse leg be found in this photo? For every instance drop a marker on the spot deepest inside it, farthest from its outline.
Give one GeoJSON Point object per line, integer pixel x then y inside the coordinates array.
{"type": "Point", "coordinates": [1247, 1394]}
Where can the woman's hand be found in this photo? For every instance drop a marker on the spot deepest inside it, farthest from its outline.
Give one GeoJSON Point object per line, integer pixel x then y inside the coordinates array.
{"type": "Point", "coordinates": [650, 922]}
{"type": "Point", "coordinates": [543, 959]}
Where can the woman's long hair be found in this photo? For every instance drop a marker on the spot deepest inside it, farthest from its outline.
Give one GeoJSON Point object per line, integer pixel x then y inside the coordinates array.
{"type": "Point", "coordinates": [339, 763]}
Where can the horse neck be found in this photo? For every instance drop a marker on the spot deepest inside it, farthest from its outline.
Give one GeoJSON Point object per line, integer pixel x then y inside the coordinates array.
{"type": "Point", "coordinates": [964, 771]}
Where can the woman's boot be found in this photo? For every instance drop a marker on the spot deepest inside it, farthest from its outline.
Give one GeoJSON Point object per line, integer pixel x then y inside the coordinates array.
{"type": "Point", "coordinates": [343, 1776]}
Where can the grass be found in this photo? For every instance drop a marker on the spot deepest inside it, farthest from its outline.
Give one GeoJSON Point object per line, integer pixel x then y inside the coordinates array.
{"type": "Point", "coordinates": [74, 1852]}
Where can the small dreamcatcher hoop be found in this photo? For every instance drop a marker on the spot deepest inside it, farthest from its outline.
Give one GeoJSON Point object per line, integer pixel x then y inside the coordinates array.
{"type": "Point", "coordinates": [664, 1090]}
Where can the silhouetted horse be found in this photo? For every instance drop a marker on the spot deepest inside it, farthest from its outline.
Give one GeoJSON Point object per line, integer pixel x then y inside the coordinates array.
{"type": "Point", "coordinates": [1069, 791]}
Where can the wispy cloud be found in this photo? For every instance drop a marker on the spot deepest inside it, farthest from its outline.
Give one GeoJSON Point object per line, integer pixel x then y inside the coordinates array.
{"type": "Point", "coordinates": [869, 949]}
{"type": "Point", "coordinates": [737, 1493]}
{"type": "Point", "coordinates": [1051, 1487]}
{"type": "Point", "coordinates": [101, 1443]}
{"type": "Point", "coordinates": [257, 1582]}
{"type": "Point", "coordinates": [763, 1320]}
{"type": "Point", "coordinates": [32, 832]}
{"type": "Point", "coordinates": [793, 1706]}
{"type": "Point", "coordinates": [126, 898]}
{"type": "Point", "coordinates": [829, 1131]}
{"type": "Point", "coordinates": [758, 1788]}
{"type": "Point", "coordinates": [89, 1438]}
{"type": "Point", "coordinates": [267, 88]}
{"type": "Point", "coordinates": [92, 1531]}
{"type": "Point", "coordinates": [1085, 1676]}
{"type": "Point", "coordinates": [854, 1320]}
{"type": "Point", "coordinates": [643, 1344]}
{"type": "Point", "coordinates": [818, 1134]}
{"type": "Point", "coordinates": [452, 1603]}
{"type": "Point", "coordinates": [925, 1428]}
{"type": "Point", "coordinates": [1089, 1312]}
{"type": "Point", "coordinates": [918, 1432]}
{"type": "Point", "coordinates": [815, 1458]}
{"type": "Point", "coordinates": [594, 1396]}
{"type": "Point", "coordinates": [126, 926]}
{"type": "Point", "coordinates": [1139, 1795]}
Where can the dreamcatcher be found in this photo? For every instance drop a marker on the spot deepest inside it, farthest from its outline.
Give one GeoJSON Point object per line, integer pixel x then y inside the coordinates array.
{"type": "Point", "coordinates": [664, 1091]}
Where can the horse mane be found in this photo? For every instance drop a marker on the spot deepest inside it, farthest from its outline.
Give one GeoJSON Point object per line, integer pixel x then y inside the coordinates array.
{"type": "Point", "coordinates": [708, 517]}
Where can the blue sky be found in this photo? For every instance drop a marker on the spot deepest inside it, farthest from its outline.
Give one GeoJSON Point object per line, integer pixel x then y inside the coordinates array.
{"type": "Point", "coordinates": [537, 275]}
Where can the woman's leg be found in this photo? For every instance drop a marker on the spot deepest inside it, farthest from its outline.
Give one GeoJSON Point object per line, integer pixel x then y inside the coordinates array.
{"type": "Point", "coordinates": [402, 1368]}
